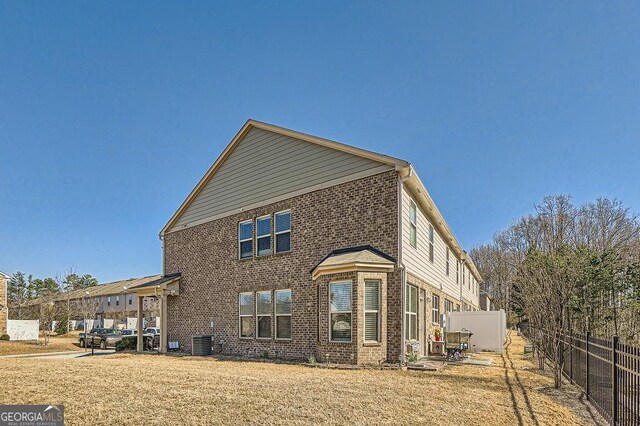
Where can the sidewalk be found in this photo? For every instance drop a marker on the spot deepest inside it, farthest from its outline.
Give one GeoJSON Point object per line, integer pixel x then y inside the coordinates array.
{"type": "Point", "coordinates": [61, 355]}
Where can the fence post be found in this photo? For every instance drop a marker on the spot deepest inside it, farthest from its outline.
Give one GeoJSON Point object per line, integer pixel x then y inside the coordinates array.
{"type": "Point", "coordinates": [614, 368]}
{"type": "Point", "coordinates": [586, 343]}
{"type": "Point", "coordinates": [571, 356]}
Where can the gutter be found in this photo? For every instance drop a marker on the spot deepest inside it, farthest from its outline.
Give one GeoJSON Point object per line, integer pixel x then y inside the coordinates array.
{"type": "Point", "coordinates": [403, 175]}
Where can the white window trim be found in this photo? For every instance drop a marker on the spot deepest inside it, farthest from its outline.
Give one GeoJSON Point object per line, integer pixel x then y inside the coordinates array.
{"type": "Point", "coordinates": [258, 316]}
{"type": "Point", "coordinates": [240, 316]}
{"type": "Point", "coordinates": [240, 241]}
{"type": "Point", "coordinates": [411, 314]}
{"type": "Point", "coordinates": [457, 271]}
{"type": "Point", "coordinates": [275, 234]}
{"type": "Point", "coordinates": [372, 311]}
{"type": "Point", "coordinates": [340, 312]}
{"type": "Point", "coordinates": [412, 224]}
{"type": "Point", "coordinates": [275, 311]}
{"type": "Point", "coordinates": [258, 237]}
{"type": "Point", "coordinates": [435, 308]}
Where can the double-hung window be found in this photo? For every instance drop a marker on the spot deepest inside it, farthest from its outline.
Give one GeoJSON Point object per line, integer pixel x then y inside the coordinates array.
{"type": "Point", "coordinates": [431, 243]}
{"type": "Point", "coordinates": [371, 311]}
{"type": "Point", "coordinates": [263, 314]}
{"type": "Point", "coordinates": [245, 310]}
{"type": "Point", "coordinates": [117, 300]}
{"type": "Point", "coordinates": [263, 235]}
{"type": "Point", "coordinates": [457, 271]}
{"type": "Point", "coordinates": [447, 266]}
{"type": "Point", "coordinates": [245, 237]}
{"type": "Point", "coordinates": [413, 224]}
{"type": "Point", "coordinates": [109, 301]}
{"type": "Point", "coordinates": [283, 314]}
{"type": "Point", "coordinates": [435, 309]}
{"type": "Point", "coordinates": [340, 311]}
{"type": "Point", "coordinates": [411, 314]}
{"type": "Point", "coordinates": [283, 231]}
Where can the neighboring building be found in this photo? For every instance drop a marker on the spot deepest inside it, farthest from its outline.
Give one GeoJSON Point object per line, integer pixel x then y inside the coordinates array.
{"type": "Point", "coordinates": [4, 301]}
{"type": "Point", "coordinates": [297, 246]}
{"type": "Point", "coordinates": [112, 300]}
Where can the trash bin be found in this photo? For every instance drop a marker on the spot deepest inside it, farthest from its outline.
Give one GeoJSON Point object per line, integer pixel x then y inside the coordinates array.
{"type": "Point", "coordinates": [201, 345]}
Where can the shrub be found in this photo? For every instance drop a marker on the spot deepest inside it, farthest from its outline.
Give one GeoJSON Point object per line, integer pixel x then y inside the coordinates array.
{"type": "Point", "coordinates": [311, 359]}
{"type": "Point", "coordinates": [4, 337]}
{"type": "Point", "coordinates": [126, 343]}
{"type": "Point", "coordinates": [61, 326]}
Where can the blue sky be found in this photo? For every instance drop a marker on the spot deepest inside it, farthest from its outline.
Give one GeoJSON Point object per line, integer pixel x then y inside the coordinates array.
{"type": "Point", "coordinates": [111, 112]}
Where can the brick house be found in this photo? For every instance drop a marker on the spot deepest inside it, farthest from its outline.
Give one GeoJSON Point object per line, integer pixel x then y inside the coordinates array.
{"type": "Point", "coordinates": [4, 301]}
{"type": "Point", "coordinates": [295, 245]}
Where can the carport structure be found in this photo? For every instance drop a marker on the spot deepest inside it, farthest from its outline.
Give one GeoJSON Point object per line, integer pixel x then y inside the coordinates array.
{"type": "Point", "coordinates": [162, 288]}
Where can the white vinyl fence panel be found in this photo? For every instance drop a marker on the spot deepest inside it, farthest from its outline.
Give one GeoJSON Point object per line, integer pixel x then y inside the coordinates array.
{"type": "Point", "coordinates": [489, 328]}
{"type": "Point", "coordinates": [23, 329]}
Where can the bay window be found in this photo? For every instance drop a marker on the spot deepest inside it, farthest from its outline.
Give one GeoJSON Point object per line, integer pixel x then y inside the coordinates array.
{"type": "Point", "coordinates": [371, 311]}
{"type": "Point", "coordinates": [340, 311]}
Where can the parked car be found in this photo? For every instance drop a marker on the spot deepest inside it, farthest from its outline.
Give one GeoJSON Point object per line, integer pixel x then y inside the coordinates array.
{"type": "Point", "coordinates": [129, 332]}
{"type": "Point", "coordinates": [102, 337]}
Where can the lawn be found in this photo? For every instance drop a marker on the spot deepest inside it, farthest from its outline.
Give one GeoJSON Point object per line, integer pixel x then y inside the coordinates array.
{"type": "Point", "coordinates": [130, 389]}
{"type": "Point", "coordinates": [56, 344]}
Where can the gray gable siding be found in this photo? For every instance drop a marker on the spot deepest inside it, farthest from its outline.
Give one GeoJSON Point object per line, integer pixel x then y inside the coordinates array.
{"type": "Point", "coordinates": [266, 165]}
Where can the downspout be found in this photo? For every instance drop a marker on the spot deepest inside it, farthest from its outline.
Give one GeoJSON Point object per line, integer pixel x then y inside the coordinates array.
{"type": "Point", "coordinates": [403, 175]}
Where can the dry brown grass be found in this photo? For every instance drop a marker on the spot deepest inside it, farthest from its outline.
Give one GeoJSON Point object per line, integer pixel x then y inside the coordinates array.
{"type": "Point", "coordinates": [128, 389]}
{"type": "Point", "coordinates": [56, 344]}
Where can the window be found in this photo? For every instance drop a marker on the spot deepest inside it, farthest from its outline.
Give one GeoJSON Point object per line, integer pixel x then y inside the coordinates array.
{"type": "Point", "coordinates": [468, 279]}
{"type": "Point", "coordinates": [245, 236]}
{"type": "Point", "coordinates": [117, 300]}
{"type": "Point", "coordinates": [283, 231]}
{"type": "Point", "coordinates": [263, 314]}
{"type": "Point", "coordinates": [447, 306]}
{"type": "Point", "coordinates": [435, 309]}
{"type": "Point", "coordinates": [130, 300]}
{"type": "Point", "coordinates": [246, 315]}
{"type": "Point", "coordinates": [340, 310]}
{"type": "Point", "coordinates": [431, 243]}
{"type": "Point", "coordinates": [447, 265]}
{"type": "Point", "coordinates": [371, 311]}
{"type": "Point", "coordinates": [263, 235]}
{"type": "Point", "coordinates": [457, 307]}
{"type": "Point", "coordinates": [411, 314]}
{"type": "Point", "coordinates": [463, 275]}
{"type": "Point", "coordinates": [457, 271]}
{"type": "Point", "coordinates": [283, 314]}
{"type": "Point", "coordinates": [109, 301]}
{"type": "Point", "coordinates": [413, 225]}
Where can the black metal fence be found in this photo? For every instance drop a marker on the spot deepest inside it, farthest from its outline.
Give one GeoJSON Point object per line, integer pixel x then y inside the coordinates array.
{"type": "Point", "coordinates": [608, 372]}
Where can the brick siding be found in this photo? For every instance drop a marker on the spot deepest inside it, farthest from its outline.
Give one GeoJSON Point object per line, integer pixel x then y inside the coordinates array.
{"type": "Point", "coordinates": [355, 213]}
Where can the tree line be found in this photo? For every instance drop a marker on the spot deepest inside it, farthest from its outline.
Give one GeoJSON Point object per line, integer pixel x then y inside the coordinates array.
{"type": "Point", "coordinates": [23, 289]}
{"type": "Point", "coordinates": [567, 268]}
